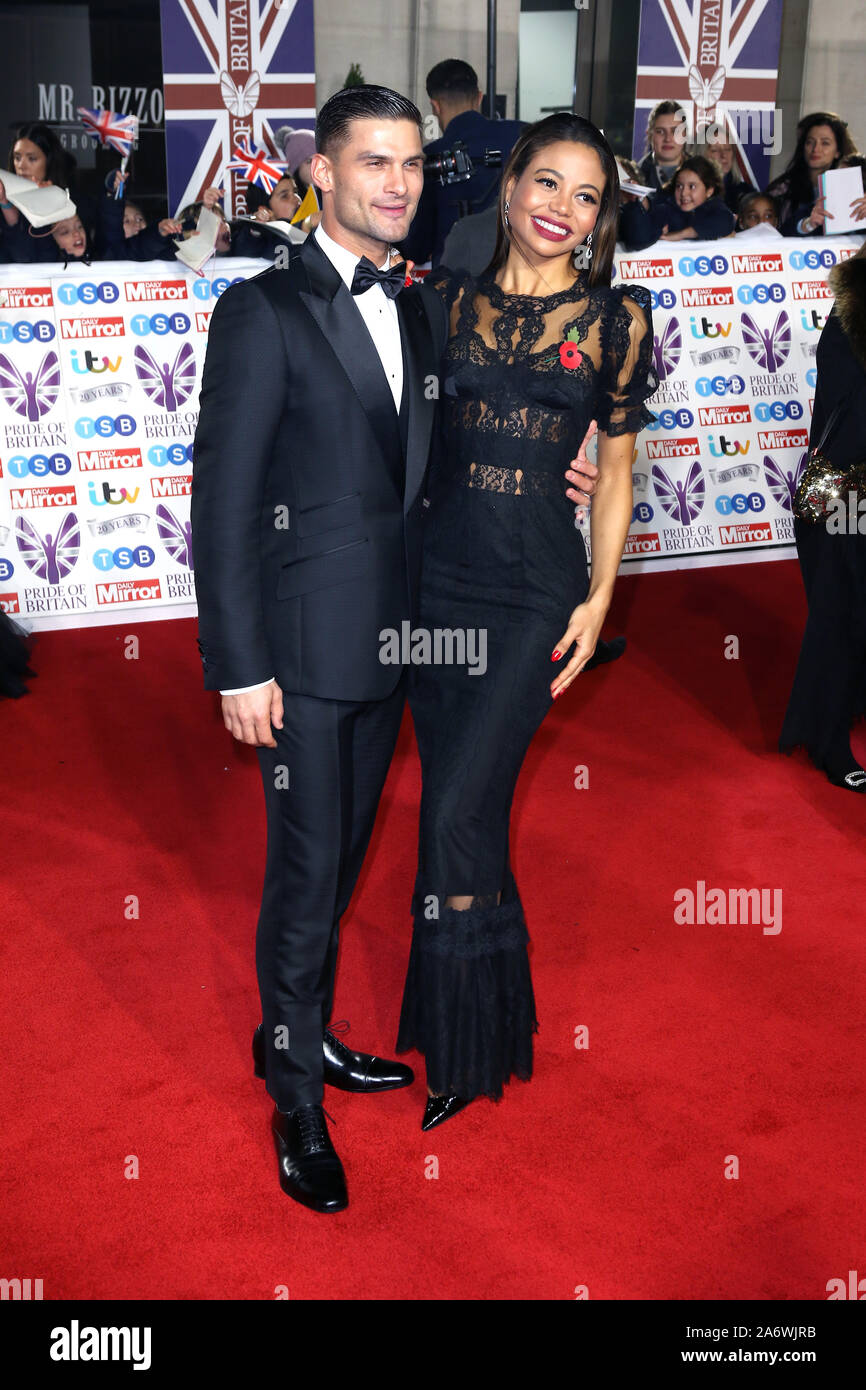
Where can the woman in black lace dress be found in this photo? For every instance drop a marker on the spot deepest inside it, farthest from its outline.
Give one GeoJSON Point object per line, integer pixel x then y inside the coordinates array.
{"type": "Point", "coordinates": [539, 349]}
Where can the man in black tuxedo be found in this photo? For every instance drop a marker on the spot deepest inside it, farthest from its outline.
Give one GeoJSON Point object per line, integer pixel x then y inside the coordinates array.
{"type": "Point", "coordinates": [309, 458]}
{"type": "Point", "coordinates": [316, 412]}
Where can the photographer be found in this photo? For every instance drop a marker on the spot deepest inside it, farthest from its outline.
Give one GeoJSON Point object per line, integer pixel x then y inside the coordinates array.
{"type": "Point", "coordinates": [452, 87]}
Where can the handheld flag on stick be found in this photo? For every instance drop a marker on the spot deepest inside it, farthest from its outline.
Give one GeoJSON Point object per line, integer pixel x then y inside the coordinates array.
{"type": "Point", "coordinates": [110, 128]}
{"type": "Point", "coordinates": [257, 166]}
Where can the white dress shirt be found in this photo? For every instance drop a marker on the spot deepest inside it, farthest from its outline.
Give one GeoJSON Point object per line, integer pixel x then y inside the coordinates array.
{"type": "Point", "coordinates": [380, 315]}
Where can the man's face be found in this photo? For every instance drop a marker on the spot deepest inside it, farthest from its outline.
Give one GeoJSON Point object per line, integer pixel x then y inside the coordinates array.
{"type": "Point", "coordinates": [371, 184]}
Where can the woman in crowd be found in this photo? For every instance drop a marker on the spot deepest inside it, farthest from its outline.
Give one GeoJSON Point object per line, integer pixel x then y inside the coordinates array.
{"type": "Point", "coordinates": [823, 142]}
{"type": "Point", "coordinates": [541, 348]}
{"type": "Point", "coordinates": [666, 144]}
{"type": "Point", "coordinates": [723, 153]}
{"type": "Point", "coordinates": [280, 206]}
{"type": "Point", "coordinates": [829, 690]}
{"type": "Point", "coordinates": [689, 208]}
{"type": "Point", "coordinates": [298, 147]}
{"type": "Point", "coordinates": [755, 210]}
{"type": "Point", "coordinates": [38, 155]}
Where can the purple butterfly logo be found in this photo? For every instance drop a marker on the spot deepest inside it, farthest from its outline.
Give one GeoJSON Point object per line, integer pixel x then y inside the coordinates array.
{"type": "Point", "coordinates": [769, 347]}
{"type": "Point", "coordinates": [781, 484]}
{"type": "Point", "coordinates": [682, 501]}
{"type": "Point", "coordinates": [33, 393]}
{"type": "Point", "coordinates": [667, 349]}
{"type": "Point", "coordinates": [167, 386]}
{"type": "Point", "coordinates": [175, 536]}
{"type": "Point", "coordinates": [49, 558]}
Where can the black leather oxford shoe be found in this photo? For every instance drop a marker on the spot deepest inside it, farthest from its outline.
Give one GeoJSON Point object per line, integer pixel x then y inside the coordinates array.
{"type": "Point", "coordinates": [345, 1069]}
{"type": "Point", "coordinates": [309, 1166]}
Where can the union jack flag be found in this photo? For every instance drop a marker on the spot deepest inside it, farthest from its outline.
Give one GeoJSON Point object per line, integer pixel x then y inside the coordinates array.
{"type": "Point", "coordinates": [255, 166]}
{"type": "Point", "coordinates": [110, 128]}
{"type": "Point", "coordinates": [235, 70]}
{"type": "Point", "coordinates": [719, 59]}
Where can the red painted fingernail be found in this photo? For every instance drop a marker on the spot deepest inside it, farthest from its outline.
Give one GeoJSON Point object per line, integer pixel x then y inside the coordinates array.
{"type": "Point", "coordinates": [556, 655]}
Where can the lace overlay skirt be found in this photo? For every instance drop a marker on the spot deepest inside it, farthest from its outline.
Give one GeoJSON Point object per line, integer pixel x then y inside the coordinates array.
{"type": "Point", "coordinates": [468, 1004]}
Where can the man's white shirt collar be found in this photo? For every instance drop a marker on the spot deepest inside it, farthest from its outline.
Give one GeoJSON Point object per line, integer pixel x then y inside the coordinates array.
{"type": "Point", "coordinates": [344, 262]}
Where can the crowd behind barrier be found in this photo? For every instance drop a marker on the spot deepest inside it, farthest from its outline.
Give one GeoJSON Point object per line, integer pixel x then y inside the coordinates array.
{"type": "Point", "coordinates": [99, 375]}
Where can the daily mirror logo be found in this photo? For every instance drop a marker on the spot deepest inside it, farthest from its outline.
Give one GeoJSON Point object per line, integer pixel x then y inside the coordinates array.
{"type": "Point", "coordinates": [146, 291]}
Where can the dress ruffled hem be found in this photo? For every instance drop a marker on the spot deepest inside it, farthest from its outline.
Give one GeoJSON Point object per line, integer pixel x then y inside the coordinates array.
{"type": "Point", "coordinates": [468, 1004]}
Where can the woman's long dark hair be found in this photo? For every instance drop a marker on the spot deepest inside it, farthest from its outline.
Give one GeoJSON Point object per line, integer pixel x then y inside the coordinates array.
{"type": "Point", "coordinates": [563, 125]}
{"type": "Point", "coordinates": [796, 180]}
{"type": "Point", "coordinates": [59, 163]}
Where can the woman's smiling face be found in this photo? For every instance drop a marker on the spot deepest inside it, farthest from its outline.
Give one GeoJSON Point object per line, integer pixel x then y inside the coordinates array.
{"type": "Point", "coordinates": [555, 203]}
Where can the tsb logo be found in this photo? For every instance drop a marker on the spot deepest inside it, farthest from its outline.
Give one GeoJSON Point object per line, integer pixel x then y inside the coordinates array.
{"type": "Point", "coordinates": [812, 260]}
{"type": "Point", "coordinates": [673, 420]}
{"type": "Point", "coordinates": [124, 558]}
{"type": "Point", "coordinates": [663, 299]}
{"type": "Point", "coordinates": [160, 324]}
{"type": "Point", "coordinates": [87, 293]}
{"type": "Point", "coordinates": [104, 426]}
{"type": "Point", "coordinates": [703, 265]}
{"type": "Point", "coordinates": [202, 290]}
{"type": "Point", "coordinates": [39, 465]}
{"type": "Point", "coordinates": [740, 503]}
{"type": "Point", "coordinates": [22, 331]}
{"type": "Point", "coordinates": [778, 410]}
{"type": "Point", "coordinates": [761, 294]}
{"type": "Point", "coordinates": [720, 385]}
{"type": "Point", "coordinates": [175, 454]}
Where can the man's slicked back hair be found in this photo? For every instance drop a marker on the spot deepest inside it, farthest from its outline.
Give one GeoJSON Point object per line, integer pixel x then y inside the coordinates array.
{"type": "Point", "coordinates": [360, 104]}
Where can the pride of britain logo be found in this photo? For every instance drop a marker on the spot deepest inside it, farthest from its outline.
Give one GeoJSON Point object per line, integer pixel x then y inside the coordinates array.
{"type": "Point", "coordinates": [769, 347]}
{"type": "Point", "coordinates": [681, 500]}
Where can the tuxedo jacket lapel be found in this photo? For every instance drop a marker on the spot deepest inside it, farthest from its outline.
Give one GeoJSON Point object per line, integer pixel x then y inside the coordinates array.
{"type": "Point", "coordinates": [419, 366]}
{"type": "Point", "coordinates": [333, 308]}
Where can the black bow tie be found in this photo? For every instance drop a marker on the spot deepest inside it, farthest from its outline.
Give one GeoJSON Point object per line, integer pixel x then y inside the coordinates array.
{"type": "Point", "coordinates": [366, 275]}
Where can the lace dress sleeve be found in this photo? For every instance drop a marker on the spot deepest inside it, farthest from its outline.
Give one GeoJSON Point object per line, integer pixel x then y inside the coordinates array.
{"type": "Point", "coordinates": [446, 283]}
{"type": "Point", "coordinates": [628, 374]}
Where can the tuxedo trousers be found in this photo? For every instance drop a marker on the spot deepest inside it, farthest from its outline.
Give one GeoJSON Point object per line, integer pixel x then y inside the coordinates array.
{"type": "Point", "coordinates": [322, 786]}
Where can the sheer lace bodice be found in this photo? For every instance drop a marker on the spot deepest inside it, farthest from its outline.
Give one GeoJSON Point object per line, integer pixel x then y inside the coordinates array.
{"type": "Point", "coordinates": [523, 370]}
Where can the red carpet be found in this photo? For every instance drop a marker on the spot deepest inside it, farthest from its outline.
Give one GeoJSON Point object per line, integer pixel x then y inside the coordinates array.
{"type": "Point", "coordinates": [128, 1037]}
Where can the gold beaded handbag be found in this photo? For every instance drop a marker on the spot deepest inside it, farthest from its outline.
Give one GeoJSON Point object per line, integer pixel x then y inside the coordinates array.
{"type": "Point", "coordinates": [822, 484]}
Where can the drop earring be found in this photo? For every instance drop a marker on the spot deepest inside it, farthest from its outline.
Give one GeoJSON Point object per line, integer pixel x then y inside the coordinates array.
{"type": "Point", "coordinates": [583, 254]}
{"type": "Point", "coordinates": [505, 213]}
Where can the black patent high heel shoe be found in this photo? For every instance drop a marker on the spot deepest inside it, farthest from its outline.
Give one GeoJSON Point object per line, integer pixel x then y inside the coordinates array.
{"type": "Point", "coordinates": [855, 780]}
{"type": "Point", "coordinates": [441, 1108]}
